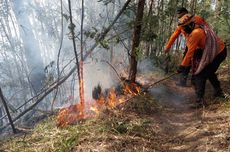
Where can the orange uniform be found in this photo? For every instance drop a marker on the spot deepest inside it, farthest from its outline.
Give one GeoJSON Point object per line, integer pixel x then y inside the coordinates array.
{"type": "Point", "coordinates": [197, 19]}
{"type": "Point", "coordinates": [196, 40]}
{"type": "Point", "coordinates": [205, 51]}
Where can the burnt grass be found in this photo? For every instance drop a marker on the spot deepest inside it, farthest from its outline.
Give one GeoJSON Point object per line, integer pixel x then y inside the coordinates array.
{"type": "Point", "coordinates": [161, 119]}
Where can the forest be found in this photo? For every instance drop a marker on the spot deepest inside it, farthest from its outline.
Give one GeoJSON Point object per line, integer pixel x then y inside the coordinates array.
{"type": "Point", "coordinates": [98, 75]}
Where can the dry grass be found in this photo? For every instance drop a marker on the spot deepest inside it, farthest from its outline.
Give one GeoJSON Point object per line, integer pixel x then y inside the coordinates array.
{"type": "Point", "coordinates": [113, 129]}
{"type": "Point", "coordinates": [47, 137]}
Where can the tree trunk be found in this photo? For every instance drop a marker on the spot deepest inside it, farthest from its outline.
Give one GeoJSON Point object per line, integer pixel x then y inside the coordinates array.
{"type": "Point", "coordinates": [81, 61]}
{"type": "Point", "coordinates": [149, 26]}
{"type": "Point", "coordinates": [136, 41]}
{"type": "Point", "coordinates": [193, 6]}
{"type": "Point", "coordinates": [78, 64]}
{"type": "Point", "coordinates": [7, 111]}
{"type": "Point", "coordinates": [1, 114]}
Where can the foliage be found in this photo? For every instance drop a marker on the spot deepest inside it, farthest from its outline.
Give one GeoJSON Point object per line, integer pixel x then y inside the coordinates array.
{"type": "Point", "coordinates": [104, 44]}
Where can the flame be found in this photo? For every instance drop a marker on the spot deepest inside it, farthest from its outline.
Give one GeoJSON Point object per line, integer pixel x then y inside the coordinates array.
{"type": "Point", "coordinates": [70, 114]}
{"type": "Point", "coordinates": [100, 101]}
{"type": "Point", "coordinates": [112, 98]}
{"type": "Point", "coordinates": [132, 89]}
{"type": "Point", "coordinates": [74, 113]}
{"type": "Point", "coordinates": [121, 100]}
{"type": "Point", "coordinates": [95, 109]}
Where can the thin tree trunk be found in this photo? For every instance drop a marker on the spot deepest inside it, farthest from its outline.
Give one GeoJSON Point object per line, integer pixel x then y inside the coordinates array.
{"type": "Point", "coordinates": [79, 66]}
{"type": "Point", "coordinates": [154, 51]}
{"type": "Point", "coordinates": [136, 40]}
{"type": "Point", "coordinates": [82, 58]}
{"type": "Point", "coordinates": [58, 57]}
{"type": "Point", "coordinates": [193, 6]}
{"type": "Point", "coordinates": [7, 110]}
{"type": "Point", "coordinates": [1, 113]}
{"type": "Point", "coordinates": [182, 3]}
{"type": "Point", "coordinates": [149, 26]}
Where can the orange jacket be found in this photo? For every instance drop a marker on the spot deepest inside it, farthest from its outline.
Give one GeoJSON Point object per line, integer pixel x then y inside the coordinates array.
{"type": "Point", "coordinates": [196, 40]}
{"type": "Point", "coordinates": [198, 20]}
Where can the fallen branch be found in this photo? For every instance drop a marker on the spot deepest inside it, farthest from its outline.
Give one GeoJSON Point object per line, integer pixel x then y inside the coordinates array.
{"type": "Point", "coordinates": [41, 97]}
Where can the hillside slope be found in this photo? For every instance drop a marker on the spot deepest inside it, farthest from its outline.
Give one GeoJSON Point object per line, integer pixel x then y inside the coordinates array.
{"type": "Point", "coordinates": [160, 120]}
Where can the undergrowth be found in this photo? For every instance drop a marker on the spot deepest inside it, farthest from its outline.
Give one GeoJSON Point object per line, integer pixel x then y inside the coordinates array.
{"type": "Point", "coordinates": [122, 122]}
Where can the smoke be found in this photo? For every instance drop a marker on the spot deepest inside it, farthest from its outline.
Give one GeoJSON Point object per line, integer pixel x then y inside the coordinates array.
{"type": "Point", "coordinates": [145, 65]}
{"type": "Point", "coordinates": [171, 95]}
{"type": "Point", "coordinates": [95, 73]}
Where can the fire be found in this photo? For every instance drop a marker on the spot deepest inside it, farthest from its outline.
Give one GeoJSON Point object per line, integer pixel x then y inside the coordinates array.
{"type": "Point", "coordinates": [70, 114]}
{"type": "Point", "coordinates": [112, 99]}
{"type": "Point", "coordinates": [132, 89]}
{"type": "Point", "coordinates": [95, 109]}
{"type": "Point", "coordinates": [74, 113]}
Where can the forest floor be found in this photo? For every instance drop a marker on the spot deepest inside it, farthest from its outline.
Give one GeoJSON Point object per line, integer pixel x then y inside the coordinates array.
{"type": "Point", "coordinates": [162, 119]}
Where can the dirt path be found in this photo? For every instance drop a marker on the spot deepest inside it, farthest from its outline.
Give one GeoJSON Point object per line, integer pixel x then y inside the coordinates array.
{"type": "Point", "coordinates": [183, 128]}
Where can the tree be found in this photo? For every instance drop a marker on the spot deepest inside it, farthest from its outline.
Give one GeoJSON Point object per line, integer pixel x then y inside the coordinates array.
{"type": "Point", "coordinates": [1, 121]}
{"type": "Point", "coordinates": [136, 40]}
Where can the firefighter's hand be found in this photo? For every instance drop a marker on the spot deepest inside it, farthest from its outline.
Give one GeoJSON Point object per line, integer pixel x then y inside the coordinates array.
{"type": "Point", "coordinates": [181, 69]}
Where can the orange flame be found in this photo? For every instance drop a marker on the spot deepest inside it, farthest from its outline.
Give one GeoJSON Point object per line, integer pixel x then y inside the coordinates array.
{"type": "Point", "coordinates": [132, 89]}
{"type": "Point", "coordinates": [69, 115]}
{"type": "Point", "coordinates": [112, 98]}
{"type": "Point", "coordinates": [95, 109]}
{"type": "Point", "coordinates": [72, 114]}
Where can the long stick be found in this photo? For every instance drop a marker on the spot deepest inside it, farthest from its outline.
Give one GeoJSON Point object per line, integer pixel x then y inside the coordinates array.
{"type": "Point", "coordinates": [151, 85]}
{"type": "Point", "coordinates": [165, 78]}
{"type": "Point", "coordinates": [7, 111]}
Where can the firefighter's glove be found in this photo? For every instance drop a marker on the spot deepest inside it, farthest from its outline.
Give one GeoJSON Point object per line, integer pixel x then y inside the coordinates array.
{"type": "Point", "coordinates": [181, 69]}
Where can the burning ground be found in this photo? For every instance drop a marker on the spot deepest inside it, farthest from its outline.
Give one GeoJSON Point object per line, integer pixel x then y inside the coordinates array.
{"type": "Point", "coordinates": [159, 120]}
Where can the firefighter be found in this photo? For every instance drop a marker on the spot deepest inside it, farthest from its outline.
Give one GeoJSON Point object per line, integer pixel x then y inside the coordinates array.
{"type": "Point", "coordinates": [205, 53]}
{"type": "Point", "coordinates": [181, 11]}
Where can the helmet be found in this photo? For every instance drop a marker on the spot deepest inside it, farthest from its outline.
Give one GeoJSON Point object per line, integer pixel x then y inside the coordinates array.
{"type": "Point", "coordinates": [186, 19]}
